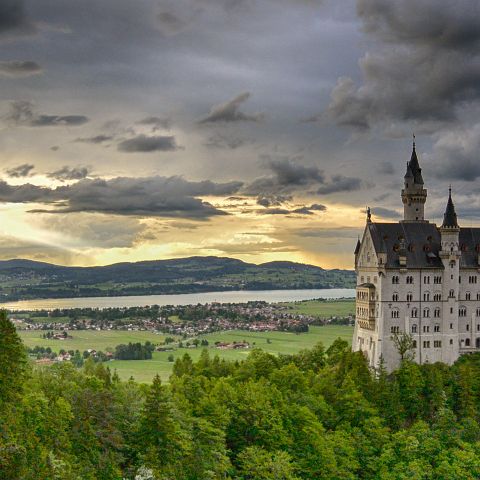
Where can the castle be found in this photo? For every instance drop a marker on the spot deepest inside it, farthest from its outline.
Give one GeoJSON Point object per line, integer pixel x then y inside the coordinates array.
{"type": "Point", "coordinates": [416, 278]}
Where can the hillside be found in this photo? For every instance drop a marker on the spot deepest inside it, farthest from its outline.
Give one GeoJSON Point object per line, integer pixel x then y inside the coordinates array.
{"type": "Point", "coordinates": [26, 279]}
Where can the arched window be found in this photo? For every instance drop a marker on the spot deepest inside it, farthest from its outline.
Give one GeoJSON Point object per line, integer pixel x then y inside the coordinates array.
{"type": "Point", "coordinates": [467, 342]}
{"type": "Point", "coordinates": [414, 313]}
{"type": "Point", "coordinates": [462, 312]}
{"type": "Point", "coordinates": [426, 297]}
{"type": "Point", "coordinates": [395, 297]}
{"type": "Point", "coordinates": [414, 328]}
{"type": "Point", "coordinates": [426, 312]}
{"type": "Point", "coordinates": [451, 293]}
{"type": "Point", "coordinates": [409, 297]}
{"type": "Point", "coordinates": [436, 313]}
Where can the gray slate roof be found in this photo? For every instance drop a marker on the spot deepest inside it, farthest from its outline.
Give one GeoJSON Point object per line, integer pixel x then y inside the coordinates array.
{"type": "Point", "coordinates": [423, 244]}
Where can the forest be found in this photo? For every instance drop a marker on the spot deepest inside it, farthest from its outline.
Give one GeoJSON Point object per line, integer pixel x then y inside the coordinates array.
{"type": "Point", "coordinates": [318, 414]}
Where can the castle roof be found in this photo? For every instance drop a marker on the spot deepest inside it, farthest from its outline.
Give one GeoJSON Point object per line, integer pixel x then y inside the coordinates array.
{"type": "Point", "coordinates": [422, 241]}
{"type": "Point", "coordinates": [450, 216]}
{"type": "Point", "coordinates": [415, 167]}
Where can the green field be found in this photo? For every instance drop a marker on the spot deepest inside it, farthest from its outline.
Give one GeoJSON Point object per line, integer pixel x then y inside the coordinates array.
{"type": "Point", "coordinates": [85, 339]}
{"type": "Point", "coordinates": [144, 370]}
{"type": "Point", "coordinates": [324, 309]}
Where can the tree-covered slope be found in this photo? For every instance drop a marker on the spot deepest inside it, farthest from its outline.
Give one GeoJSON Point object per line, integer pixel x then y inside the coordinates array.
{"type": "Point", "coordinates": [29, 279]}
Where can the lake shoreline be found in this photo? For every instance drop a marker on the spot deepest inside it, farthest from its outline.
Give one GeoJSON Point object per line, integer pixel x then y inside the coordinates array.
{"type": "Point", "coordinates": [239, 296]}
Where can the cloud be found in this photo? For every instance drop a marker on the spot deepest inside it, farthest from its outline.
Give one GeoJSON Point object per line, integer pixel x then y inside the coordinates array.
{"type": "Point", "coordinates": [22, 114]}
{"type": "Point", "coordinates": [88, 230]}
{"type": "Point", "coordinates": [20, 68]}
{"type": "Point", "coordinates": [14, 20]}
{"type": "Point", "coordinates": [230, 111]}
{"type": "Point", "coordinates": [157, 123]}
{"type": "Point", "coordinates": [287, 175]}
{"type": "Point", "coordinates": [455, 155]}
{"type": "Point", "coordinates": [144, 144]}
{"type": "Point", "coordinates": [424, 67]}
{"type": "Point", "coordinates": [154, 196]}
{"type": "Point", "coordinates": [385, 212]}
{"type": "Point", "coordinates": [304, 210]}
{"type": "Point", "coordinates": [67, 173]}
{"type": "Point", "coordinates": [96, 139]}
{"type": "Point", "coordinates": [386, 168]}
{"type": "Point", "coordinates": [273, 200]}
{"type": "Point", "coordinates": [21, 170]}
{"type": "Point", "coordinates": [339, 183]}
{"type": "Point", "coordinates": [223, 141]}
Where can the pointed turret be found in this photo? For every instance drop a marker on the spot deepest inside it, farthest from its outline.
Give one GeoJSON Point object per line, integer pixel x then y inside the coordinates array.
{"type": "Point", "coordinates": [450, 216]}
{"type": "Point", "coordinates": [414, 195]}
{"type": "Point", "coordinates": [415, 167]}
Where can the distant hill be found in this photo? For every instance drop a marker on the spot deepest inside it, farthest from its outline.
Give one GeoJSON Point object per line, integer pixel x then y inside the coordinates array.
{"type": "Point", "coordinates": [23, 279]}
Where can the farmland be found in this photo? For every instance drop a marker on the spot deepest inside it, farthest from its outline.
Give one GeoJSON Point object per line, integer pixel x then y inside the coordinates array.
{"type": "Point", "coordinates": [144, 370]}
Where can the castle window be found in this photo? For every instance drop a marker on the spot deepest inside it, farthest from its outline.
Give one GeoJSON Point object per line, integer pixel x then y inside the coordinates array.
{"type": "Point", "coordinates": [426, 280]}
{"type": "Point", "coordinates": [426, 296]}
{"type": "Point", "coordinates": [451, 293]}
{"type": "Point", "coordinates": [436, 313]}
{"type": "Point", "coordinates": [468, 327]}
{"type": "Point", "coordinates": [462, 312]}
{"type": "Point", "coordinates": [451, 342]}
{"type": "Point", "coordinates": [395, 280]}
{"type": "Point", "coordinates": [426, 312]}
{"type": "Point", "coordinates": [467, 296]}
{"type": "Point", "coordinates": [395, 329]}
{"type": "Point", "coordinates": [395, 313]}
{"type": "Point", "coordinates": [409, 280]}
{"type": "Point", "coordinates": [467, 342]}
{"type": "Point", "coordinates": [414, 313]}
{"type": "Point", "coordinates": [426, 344]}
{"type": "Point", "coordinates": [451, 326]}
{"type": "Point", "coordinates": [409, 297]}
{"type": "Point", "coordinates": [437, 343]}
{"type": "Point", "coordinates": [395, 297]}
{"type": "Point", "coordinates": [437, 297]}
{"type": "Point", "coordinates": [414, 344]}
{"type": "Point", "coordinates": [426, 329]}
{"type": "Point", "coordinates": [436, 328]}
{"type": "Point", "coordinates": [437, 280]}
{"type": "Point", "coordinates": [414, 328]}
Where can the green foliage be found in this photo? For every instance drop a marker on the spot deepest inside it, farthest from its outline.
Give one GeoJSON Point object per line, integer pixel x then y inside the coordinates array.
{"type": "Point", "coordinates": [314, 415]}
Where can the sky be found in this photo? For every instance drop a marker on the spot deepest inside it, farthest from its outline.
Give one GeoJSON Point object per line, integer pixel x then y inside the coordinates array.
{"type": "Point", "coordinates": [253, 129]}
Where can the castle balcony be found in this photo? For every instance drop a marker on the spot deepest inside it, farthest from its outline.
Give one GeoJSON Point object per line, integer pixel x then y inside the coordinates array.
{"type": "Point", "coordinates": [365, 306]}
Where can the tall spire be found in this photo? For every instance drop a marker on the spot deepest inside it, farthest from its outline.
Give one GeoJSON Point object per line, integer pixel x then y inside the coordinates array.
{"type": "Point", "coordinates": [450, 216]}
{"type": "Point", "coordinates": [415, 166]}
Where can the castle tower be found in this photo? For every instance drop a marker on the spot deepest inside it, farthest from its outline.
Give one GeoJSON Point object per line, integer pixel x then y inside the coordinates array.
{"type": "Point", "coordinates": [414, 195]}
{"type": "Point", "coordinates": [450, 254]}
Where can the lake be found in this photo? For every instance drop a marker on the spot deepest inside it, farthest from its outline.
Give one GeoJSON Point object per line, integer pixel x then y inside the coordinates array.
{"type": "Point", "coordinates": [181, 299]}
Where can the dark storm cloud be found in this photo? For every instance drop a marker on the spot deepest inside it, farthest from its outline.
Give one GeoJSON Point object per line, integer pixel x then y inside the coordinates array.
{"type": "Point", "coordinates": [14, 19]}
{"type": "Point", "coordinates": [145, 144]}
{"type": "Point", "coordinates": [339, 183]}
{"type": "Point", "coordinates": [455, 155]}
{"type": "Point", "coordinates": [273, 200]}
{"type": "Point", "coordinates": [21, 113]}
{"type": "Point", "coordinates": [96, 139]}
{"type": "Point", "coordinates": [17, 68]}
{"type": "Point", "coordinates": [67, 173]}
{"type": "Point", "coordinates": [287, 175]}
{"type": "Point", "coordinates": [230, 111]}
{"type": "Point", "coordinates": [23, 170]}
{"type": "Point", "coordinates": [304, 210]}
{"type": "Point", "coordinates": [156, 123]}
{"type": "Point", "coordinates": [155, 196]}
{"type": "Point", "coordinates": [425, 68]}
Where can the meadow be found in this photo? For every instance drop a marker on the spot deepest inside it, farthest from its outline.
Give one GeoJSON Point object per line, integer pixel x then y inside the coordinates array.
{"type": "Point", "coordinates": [144, 370]}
